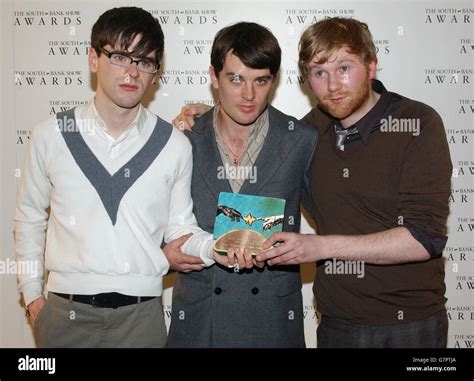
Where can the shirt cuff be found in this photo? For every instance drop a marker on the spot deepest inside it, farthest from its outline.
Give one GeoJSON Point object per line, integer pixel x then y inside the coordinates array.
{"type": "Point", "coordinates": [31, 292]}
{"type": "Point", "coordinates": [207, 255]}
{"type": "Point", "coordinates": [433, 244]}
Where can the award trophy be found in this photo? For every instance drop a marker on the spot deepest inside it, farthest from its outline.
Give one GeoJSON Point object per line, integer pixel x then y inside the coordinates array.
{"type": "Point", "coordinates": [245, 221]}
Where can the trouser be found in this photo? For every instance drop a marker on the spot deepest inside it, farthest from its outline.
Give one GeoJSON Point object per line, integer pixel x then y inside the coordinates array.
{"type": "Point", "coordinates": [68, 324]}
{"type": "Point", "coordinates": [431, 332]}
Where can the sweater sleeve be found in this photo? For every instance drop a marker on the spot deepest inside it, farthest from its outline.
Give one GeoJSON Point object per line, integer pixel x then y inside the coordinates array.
{"type": "Point", "coordinates": [31, 217]}
{"type": "Point", "coordinates": [181, 218]}
{"type": "Point", "coordinates": [425, 184]}
{"type": "Point", "coordinates": [306, 199]}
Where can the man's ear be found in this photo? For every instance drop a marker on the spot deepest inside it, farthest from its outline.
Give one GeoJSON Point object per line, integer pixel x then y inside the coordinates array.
{"type": "Point", "coordinates": [372, 69]}
{"type": "Point", "coordinates": [93, 60]}
{"type": "Point", "coordinates": [214, 79]}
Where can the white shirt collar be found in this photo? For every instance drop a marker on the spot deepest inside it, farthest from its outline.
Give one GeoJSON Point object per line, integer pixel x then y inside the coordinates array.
{"type": "Point", "coordinates": [136, 127]}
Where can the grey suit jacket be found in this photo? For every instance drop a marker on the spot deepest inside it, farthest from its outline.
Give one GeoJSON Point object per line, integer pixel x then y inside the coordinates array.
{"type": "Point", "coordinates": [259, 307]}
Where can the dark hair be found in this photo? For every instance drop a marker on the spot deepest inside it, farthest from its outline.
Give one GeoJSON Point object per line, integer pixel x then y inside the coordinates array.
{"type": "Point", "coordinates": [252, 43]}
{"type": "Point", "coordinates": [121, 26]}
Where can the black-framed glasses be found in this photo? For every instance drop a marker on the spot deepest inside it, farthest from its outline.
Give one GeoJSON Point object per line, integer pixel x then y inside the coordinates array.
{"type": "Point", "coordinates": [145, 65]}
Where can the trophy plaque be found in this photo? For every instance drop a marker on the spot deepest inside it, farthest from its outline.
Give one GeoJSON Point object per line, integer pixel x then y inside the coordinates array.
{"type": "Point", "coordinates": [246, 222]}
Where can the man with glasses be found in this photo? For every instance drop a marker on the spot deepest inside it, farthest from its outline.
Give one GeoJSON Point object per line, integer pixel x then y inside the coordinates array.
{"type": "Point", "coordinates": [115, 188]}
{"type": "Point", "coordinates": [145, 65]}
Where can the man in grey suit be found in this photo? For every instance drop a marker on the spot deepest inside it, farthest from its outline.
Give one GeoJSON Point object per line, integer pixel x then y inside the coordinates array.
{"type": "Point", "coordinates": [256, 306]}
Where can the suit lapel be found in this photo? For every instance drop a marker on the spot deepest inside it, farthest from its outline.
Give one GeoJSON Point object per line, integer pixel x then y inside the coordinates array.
{"type": "Point", "coordinates": [207, 157]}
{"type": "Point", "coordinates": [279, 143]}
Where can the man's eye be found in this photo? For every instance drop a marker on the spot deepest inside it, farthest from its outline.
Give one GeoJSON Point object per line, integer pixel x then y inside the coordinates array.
{"type": "Point", "coordinates": [119, 57]}
{"type": "Point", "coordinates": [318, 73]}
{"type": "Point", "coordinates": [235, 79]}
{"type": "Point", "coordinates": [344, 69]}
{"type": "Point", "coordinates": [261, 81]}
{"type": "Point", "coordinates": [147, 64]}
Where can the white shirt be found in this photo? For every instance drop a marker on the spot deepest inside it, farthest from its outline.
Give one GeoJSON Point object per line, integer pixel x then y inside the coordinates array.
{"type": "Point", "coordinates": [84, 252]}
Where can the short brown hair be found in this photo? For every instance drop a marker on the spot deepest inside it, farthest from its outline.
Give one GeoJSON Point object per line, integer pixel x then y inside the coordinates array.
{"type": "Point", "coordinates": [254, 44]}
{"type": "Point", "coordinates": [329, 35]}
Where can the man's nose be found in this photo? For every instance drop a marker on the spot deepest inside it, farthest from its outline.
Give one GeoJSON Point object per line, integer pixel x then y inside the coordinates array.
{"type": "Point", "coordinates": [132, 70]}
{"type": "Point", "coordinates": [334, 83]}
{"type": "Point", "coordinates": [248, 92]}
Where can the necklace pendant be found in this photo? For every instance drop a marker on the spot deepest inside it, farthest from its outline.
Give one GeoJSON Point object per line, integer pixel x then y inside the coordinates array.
{"type": "Point", "coordinates": [235, 161]}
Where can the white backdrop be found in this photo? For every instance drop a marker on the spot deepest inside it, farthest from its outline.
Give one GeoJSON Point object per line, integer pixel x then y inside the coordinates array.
{"type": "Point", "coordinates": [425, 52]}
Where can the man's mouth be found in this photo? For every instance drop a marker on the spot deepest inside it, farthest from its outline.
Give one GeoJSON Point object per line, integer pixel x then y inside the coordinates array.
{"type": "Point", "coordinates": [128, 87]}
{"type": "Point", "coordinates": [337, 100]}
{"type": "Point", "coordinates": [247, 108]}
